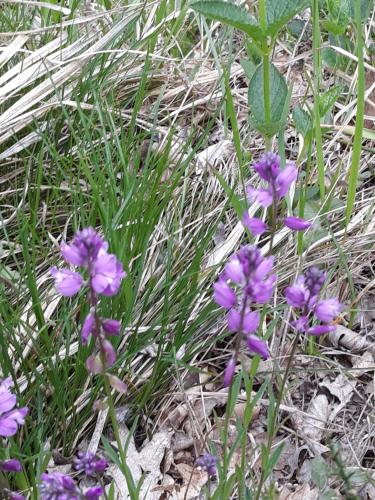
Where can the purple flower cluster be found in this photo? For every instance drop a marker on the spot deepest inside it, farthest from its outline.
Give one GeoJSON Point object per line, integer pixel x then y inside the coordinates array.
{"type": "Point", "coordinates": [10, 419]}
{"type": "Point", "coordinates": [208, 463]}
{"type": "Point", "coordinates": [58, 486]}
{"type": "Point", "coordinates": [246, 281]}
{"type": "Point", "coordinates": [90, 464]}
{"type": "Point", "coordinates": [303, 295]}
{"type": "Point", "coordinates": [105, 273]}
{"type": "Point", "coordinates": [278, 183]}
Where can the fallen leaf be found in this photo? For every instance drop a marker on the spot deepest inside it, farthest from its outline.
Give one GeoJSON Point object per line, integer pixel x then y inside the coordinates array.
{"type": "Point", "coordinates": [303, 492]}
{"type": "Point", "coordinates": [345, 337]}
{"type": "Point", "coordinates": [193, 481]}
{"type": "Point", "coordinates": [318, 413]}
{"type": "Point", "coordinates": [342, 388]}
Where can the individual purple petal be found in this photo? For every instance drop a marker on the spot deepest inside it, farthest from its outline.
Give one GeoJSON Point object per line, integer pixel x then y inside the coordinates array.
{"type": "Point", "coordinates": [233, 270]}
{"type": "Point", "coordinates": [234, 320]}
{"type": "Point", "coordinates": [117, 384]}
{"type": "Point", "coordinates": [301, 324]}
{"type": "Point", "coordinates": [111, 326]}
{"type": "Point", "coordinates": [251, 322]}
{"type": "Point", "coordinates": [285, 179]}
{"type": "Point", "coordinates": [262, 196]}
{"type": "Point", "coordinates": [15, 496]}
{"type": "Point", "coordinates": [109, 353]}
{"type": "Point", "coordinates": [106, 274]}
{"type": "Point", "coordinates": [224, 295]}
{"type": "Point", "coordinates": [257, 345]}
{"type": "Point", "coordinates": [7, 399]}
{"type": "Point", "coordinates": [94, 364]}
{"type": "Point", "coordinates": [87, 327]}
{"type": "Point", "coordinates": [321, 329]}
{"type": "Point", "coordinates": [11, 465]}
{"type": "Point", "coordinates": [296, 223]}
{"type": "Point", "coordinates": [296, 295]}
{"type": "Point", "coordinates": [229, 373]}
{"type": "Point", "coordinates": [327, 310]}
{"type": "Point", "coordinates": [262, 290]}
{"type": "Point", "coordinates": [67, 282]}
{"type": "Point", "coordinates": [93, 493]}
{"type": "Point", "coordinates": [10, 421]}
{"type": "Point", "coordinates": [253, 224]}
{"type": "Point", "coordinates": [263, 268]}
{"type": "Point", "coordinates": [72, 254]}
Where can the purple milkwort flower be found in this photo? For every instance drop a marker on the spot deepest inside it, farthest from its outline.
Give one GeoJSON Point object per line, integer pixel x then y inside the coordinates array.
{"type": "Point", "coordinates": [253, 224]}
{"type": "Point", "coordinates": [89, 251]}
{"type": "Point", "coordinates": [247, 280]}
{"type": "Point", "coordinates": [296, 223]}
{"type": "Point", "coordinates": [15, 496]}
{"type": "Point", "coordinates": [303, 295]}
{"type": "Point", "coordinates": [11, 465]}
{"type": "Point", "coordinates": [279, 181]}
{"type": "Point", "coordinates": [90, 464]}
{"type": "Point", "coordinates": [58, 486]}
{"type": "Point", "coordinates": [10, 417]}
{"type": "Point", "coordinates": [208, 463]}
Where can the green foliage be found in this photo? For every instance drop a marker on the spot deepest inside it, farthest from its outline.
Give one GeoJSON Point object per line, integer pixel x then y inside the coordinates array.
{"type": "Point", "coordinates": [302, 121]}
{"type": "Point", "coordinates": [278, 100]}
{"type": "Point", "coordinates": [230, 14]}
{"type": "Point", "coordinates": [328, 99]}
{"type": "Point", "coordinates": [279, 12]}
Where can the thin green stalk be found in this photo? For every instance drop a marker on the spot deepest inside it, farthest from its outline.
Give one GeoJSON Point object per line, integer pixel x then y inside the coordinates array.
{"type": "Point", "coordinates": [272, 430]}
{"type": "Point", "coordinates": [266, 69]}
{"type": "Point", "coordinates": [317, 73]}
{"type": "Point", "coordinates": [357, 147]}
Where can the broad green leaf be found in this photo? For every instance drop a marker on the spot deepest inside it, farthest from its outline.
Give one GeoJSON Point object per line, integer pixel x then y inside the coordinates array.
{"type": "Point", "coordinates": [302, 121]}
{"type": "Point", "coordinates": [278, 97]}
{"type": "Point", "coordinates": [333, 27]}
{"type": "Point", "coordinates": [248, 67]}
{"type": "Point", "coordinates": [365, 8]}
{"type": "Point", "coordinates": [230, 14]}
{"type": "Point", "coordinates": [319, 472]}
{"type": "Point", "coordinates": [339, 14]}
{"type": "Point", "coordinates": [328, 99]}
{"type": "Point", "coordinates": [279, 12]}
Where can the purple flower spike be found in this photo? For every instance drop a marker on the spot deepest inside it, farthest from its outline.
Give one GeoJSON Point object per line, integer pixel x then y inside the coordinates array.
{"type": "Point", "coordinates": [67, 282]}
{"type": "Point", "coordinates": [257, 345]}
{"type": "Point", "coordinates": [10, 466]}
{"type": "Point", "coordinates": [90, 464]}
{"type": "Point", "coordinates": [321, 329]}
{"type": "Point", "coordinates": [208, 463]}
{"type": "Point", "coordinates": [253, 224]}
{"type": "Point", "coordinates": [224, 295]}
{"type": "Point", "coordinates": [327, 310]}
{"type": "Point", "coordinates": [56, 485]}
{"type": "Point", "coordinates": [229, 373]}
{"type": "Point", "coordinates": [268, 167]}
{"type": "Point", "coordinates": [296, 223]}
{"type": "Point", "coordinates": [84, 247]}
{"type": "Point", "coordinates": [10, 418]}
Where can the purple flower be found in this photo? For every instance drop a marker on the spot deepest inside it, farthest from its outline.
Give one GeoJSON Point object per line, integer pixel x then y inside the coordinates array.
{"type": "Point", "coordinates": [257, 345]}
{"type": "Point", "coordinates": [58, 486]}
{"type": "Point", "coordinates": [326, 310]}
{"type": "Point", "coordinates": [93, 493]}
{"type": "Point", "coordinates": [109, 353]}
{"type": "Point", "coordinates": [321, 329]}
{"type": "Point", "coordinates": [90, 464]}
{"type": "Point", "coordinates": [229, 372]}
{"type": "Point", "coordinates": [279, 181]}
{"type": "Point", "coordinates": [11, 465]}
{"type": "Point", "coordinates": [297, 295]}
{"type": "Point", "coordinates": [224, 295]}
{"type": "Point", "coordinates": [106, 274]}
{"type": "Point", "coordinates": [253, 224]}
{"type": "Point", "coordinates": [208, 463]}
{"type": "Point", "coordinates": [16, 496]}
{"type": "Point", "coordinates": [84, 247]}
{"type": "Point", "coordinates": [233, 271]}
{"type": "Point", "coordinates": [94, 364]}
{"type": "Point", "coordinates": [111, 326]}
{"type": "Point", "coordinates": [67, 282]}
{"type": "Point", "coordinates": [88, 326]}
{"type": "Point", "coordinates": [10, 418]}
{"type": "Point", "coordinates": [301, 324]}
{"type": "Point", "coordinates": [296, 223]}
{"type": "Point", "coordinates": [249, 323]}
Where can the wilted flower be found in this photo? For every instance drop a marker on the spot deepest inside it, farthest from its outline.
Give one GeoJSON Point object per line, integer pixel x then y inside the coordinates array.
{"type": "Point", "coordinates": [10, 417]}
{"type": "Point", "coordinates": [303, 295]}
{"type": "Point", "coordinates": [90, 464]}
{"type": "Point", "coordinates": [208, 463]}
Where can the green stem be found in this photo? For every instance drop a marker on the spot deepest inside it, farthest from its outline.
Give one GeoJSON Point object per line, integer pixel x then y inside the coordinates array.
{"type": "Point", "coordinates": [357, 147]}
{"type": "Point", "coordinates": [266, 69]}
{"type": "Point", "coordinates": [272, 430]}
{"type": "Point", "coordinates": [317, 73]}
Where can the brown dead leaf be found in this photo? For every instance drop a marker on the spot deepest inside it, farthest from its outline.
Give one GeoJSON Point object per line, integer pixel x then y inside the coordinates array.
{"type": "Point", "coordinates": [345, 337]}
{"type": "Point", "coordinates": [342, 388]}
{"type": "Point", "coordinates": [370, 101]}
{"type": "Point", "coordinates": [318, 413]}
{"type": "Point", "coordinates": [193, 481]}
{"type": "Point", "coordinates": [363, 364]}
